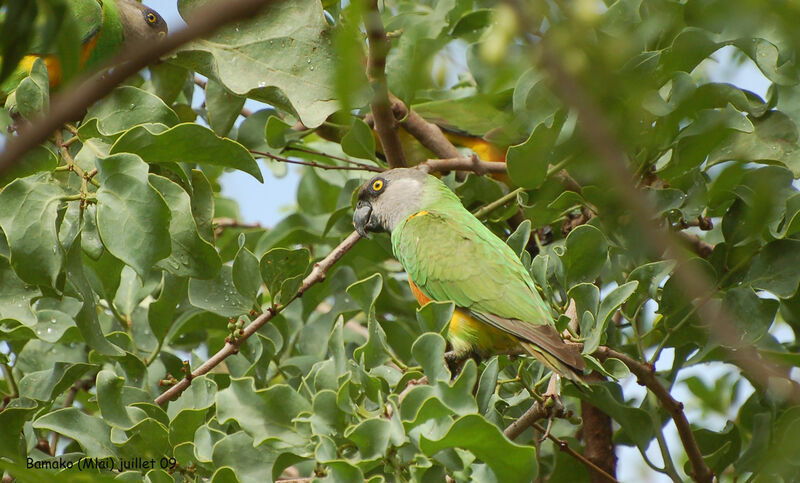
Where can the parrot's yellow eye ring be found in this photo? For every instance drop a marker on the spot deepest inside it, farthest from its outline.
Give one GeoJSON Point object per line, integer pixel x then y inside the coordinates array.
{"type": "Point", "coordinates": [377, 185]}
{"type": "Point", "coordinates": [151, 17]}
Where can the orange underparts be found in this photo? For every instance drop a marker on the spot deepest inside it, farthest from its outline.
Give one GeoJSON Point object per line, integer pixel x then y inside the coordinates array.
{"type": "Point", "coordinates": [54, 65]}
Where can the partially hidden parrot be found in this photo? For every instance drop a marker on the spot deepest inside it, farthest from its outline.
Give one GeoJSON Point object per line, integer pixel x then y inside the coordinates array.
{"type": "Point", "coordinates": [449, 255]}
{"type": "Point", "coordinates": [105, 26]}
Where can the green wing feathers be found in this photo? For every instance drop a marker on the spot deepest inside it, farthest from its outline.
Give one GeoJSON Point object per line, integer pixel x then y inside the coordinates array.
{"type": "Point", "coordinates": [450, 255]}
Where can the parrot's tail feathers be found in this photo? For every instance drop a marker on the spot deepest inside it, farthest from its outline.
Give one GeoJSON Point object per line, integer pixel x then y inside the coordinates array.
{"type": "Point", "coordinates": [556, 365]}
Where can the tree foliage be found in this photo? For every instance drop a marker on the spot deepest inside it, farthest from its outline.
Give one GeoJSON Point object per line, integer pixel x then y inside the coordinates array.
{"type": "Point", "coordinates": [123, 268]}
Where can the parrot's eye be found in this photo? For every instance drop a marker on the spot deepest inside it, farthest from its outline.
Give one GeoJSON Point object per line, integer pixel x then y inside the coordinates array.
{"type": "Point", "coordinates": [377, 185]}
{"type": "Point", "coordinates": [151, 17]}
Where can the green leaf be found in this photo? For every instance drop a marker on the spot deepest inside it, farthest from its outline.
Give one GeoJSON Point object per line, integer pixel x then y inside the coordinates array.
{"type": "Point", "coordinates": [250, 464]}
{"type": "Point", "coordinates": [435, 316]}
{"type": "Point", "coordinates": [359, 141]}
{"type": "Point", "coordinates": [219, 295]}
{"type": "Point", "coordinates": [586, 255]}
{"type": "Point", "coordinates": [87, 319]}
{"type": "Point", "coordinates": [266, 414]}
{"type": "Point", "coordinates": [753, 316]}
{"type": "Point", "coordinates": [288, 53]}
{"type": "Point", "coordinates": [774, 268]}
{"type": "Point", "coordinates": [125, 108]}
{"type": "Point", "coordinates": [222, 107]}
{"type": "Point", "coordinates": [30, 228]}
{"type": "Point", "coordinates": [509, 461]}
{"type": "Point", "coordinates": [15, 415]}
{"type": "Point", "coordinates": [191, 255]}
{"type": "Point", "coordinates": [608, 398]}
{"type": "Point", "coordinates": [428, 350]}
{"type": "Point", "coordinates": [371, 437]}
{"type": "Point", "coordinates": [281, 264]}
{"type": "Point", "coordinates": [33, 93]}
{"type": "Point", "coordinates": [527, 162]}
{"type": "Point", "coordinates": [110, 400]}
{"type": "Point", "coordinates": [16, 296]}
{"type": "Point", "coordinates": [518, 240]}
{"type": "Point", "coordinates": [189, 143]}
{"type": "Point", "coordinates": [91, 433]}
{"type": "Point", "coordinates": [719, 449]}
{"type": "Point", "coordinates": [48, 384]}
{"type": "Point", "coordinates": [649, 276]}
{"type": "Point", "coordinates": [132, 217]}
{"type": "Point", "coordinates": [245, 272]}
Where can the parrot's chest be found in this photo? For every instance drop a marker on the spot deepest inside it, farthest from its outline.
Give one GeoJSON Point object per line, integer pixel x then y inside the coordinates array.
{"type": "Point", "coordinates": [467, 334]}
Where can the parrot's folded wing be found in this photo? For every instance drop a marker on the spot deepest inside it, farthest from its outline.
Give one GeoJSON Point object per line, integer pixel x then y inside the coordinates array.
{"type": "Point", "coordinates": [543, 336]}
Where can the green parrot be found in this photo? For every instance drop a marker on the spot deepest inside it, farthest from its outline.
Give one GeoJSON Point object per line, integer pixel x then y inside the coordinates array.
{"type": "Point", "coordinates": [449, 254]}
{"type": "Point", "coordinates": [105, 25]}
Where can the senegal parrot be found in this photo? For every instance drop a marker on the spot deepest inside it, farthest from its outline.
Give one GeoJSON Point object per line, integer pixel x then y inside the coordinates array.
{"type": "Point", "coordinates": [104, 26]}
{"type": "Point", "coordinates": [449, 254]}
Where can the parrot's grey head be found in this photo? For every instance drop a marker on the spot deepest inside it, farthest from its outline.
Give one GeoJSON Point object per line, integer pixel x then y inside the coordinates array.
{"type": "Point", "coordinates": [389, 198]}
{"type": "Point", "coordinates": [139, 22]}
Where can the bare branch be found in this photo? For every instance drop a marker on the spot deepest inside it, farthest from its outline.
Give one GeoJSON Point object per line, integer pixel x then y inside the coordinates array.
{"type": "Point", "coordinates": [385, 124]}
{"type": "Point", "coordinates": [71, 103]}
{"type": "Point", "coordinates": [461, 163]}
{"type": "Point", "coordinates": [564, 446]}
{"type": "Point", "coordinates": [646, 376]}
{"type": "Point", "coordinates": [356, 166]}
{"type": "Point", "coordinates": [597, 434]}
{"type": "Point", "coordinates": [317, 275]}
{"type": "Point", "coordinates": [536, 412]}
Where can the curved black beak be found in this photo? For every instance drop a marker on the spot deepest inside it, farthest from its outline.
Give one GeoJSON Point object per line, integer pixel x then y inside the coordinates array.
{"type": "Point", "coordinates": [361, 217]}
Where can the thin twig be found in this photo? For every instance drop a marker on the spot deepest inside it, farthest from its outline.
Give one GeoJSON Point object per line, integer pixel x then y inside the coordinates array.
{"type": "Point", "coordinates": [498, 203]}
{"type": "Point", "coordinates": [314, 164]}
{"type": "Point", "coordinates": [71, 103]}
{"type": "Point", "coordinates": [317, 275]}
{"type": "Point", "coordinates": [380, 105]}
{"type": "Point", "coordinates": [564, 446]}
{"type": "Point", "coordinates": [326, 155]}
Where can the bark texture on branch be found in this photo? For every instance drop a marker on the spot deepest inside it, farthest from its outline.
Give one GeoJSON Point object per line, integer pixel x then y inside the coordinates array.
{"type": "Point", "coordinates": [380, 105]}
{"type": "Point", "coordinates": [318, 274]}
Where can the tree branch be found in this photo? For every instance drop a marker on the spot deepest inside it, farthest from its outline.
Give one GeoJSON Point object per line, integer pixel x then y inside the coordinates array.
{"type": "Point", "coordinates": [318, 274]}
{"type": "Point", "coordinates": [537, 411]}
{"type": "Point", "coordinates": [564, 446]}
{"type": "Point", "coordinates": [596, 130]}
{"type": "Point", "coordinates": [460, 163]}
{"type": "Point", "coordinates": [597, 438]}
{"type": "Point", "coordinates": [645, 374]}
{"type": "Point", "coordinates": [381, 108]}
{"type": "Point", "coordinates": [356, 165]}
{"type": "Point", "coordinates": [71, 103]}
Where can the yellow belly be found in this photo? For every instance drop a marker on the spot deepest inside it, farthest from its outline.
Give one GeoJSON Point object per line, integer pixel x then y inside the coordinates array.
{"type": "Point", "coordinates": [466, 334]}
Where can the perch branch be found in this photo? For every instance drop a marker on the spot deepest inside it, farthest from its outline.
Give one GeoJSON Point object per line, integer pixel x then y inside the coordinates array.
{"type": "Point", "coordinates": [318, 274]}
{"type": "Point", "coordinates": [380, 105]}
{"type": "Point", "coordinates": [71, 103]}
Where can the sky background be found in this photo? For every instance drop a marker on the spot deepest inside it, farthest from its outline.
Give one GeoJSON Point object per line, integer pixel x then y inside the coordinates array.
{"type": "Point", "coordinates": [267, 203]}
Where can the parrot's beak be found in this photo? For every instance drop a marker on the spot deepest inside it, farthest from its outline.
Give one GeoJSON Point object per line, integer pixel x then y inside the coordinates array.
{"type": "Point", "coordinates": [361, 217]}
